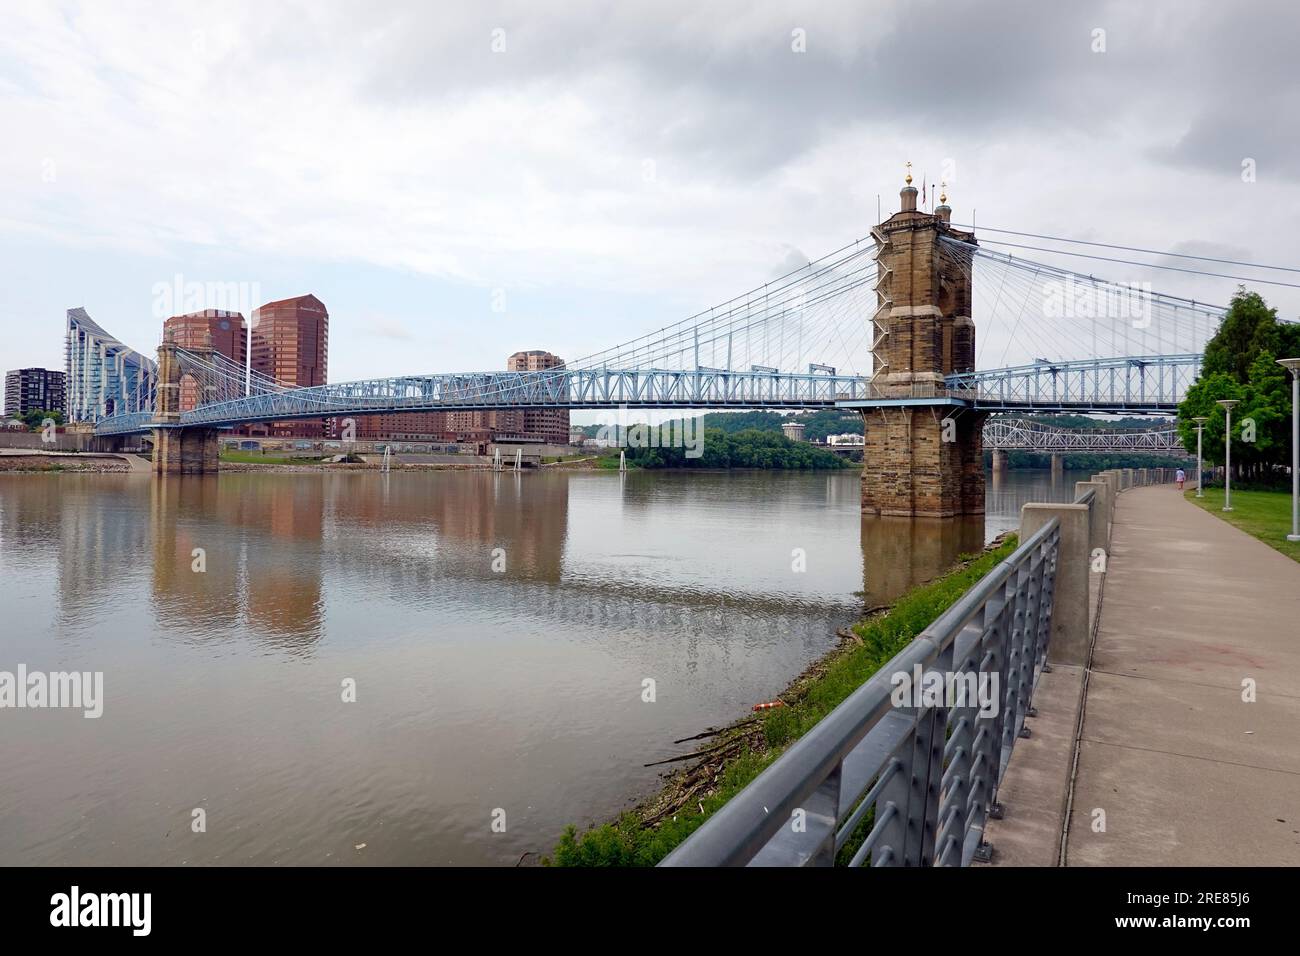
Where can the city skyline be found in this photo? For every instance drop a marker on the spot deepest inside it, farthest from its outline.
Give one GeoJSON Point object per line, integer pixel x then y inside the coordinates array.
{"type": "Point", "coordinates": [289, 343]}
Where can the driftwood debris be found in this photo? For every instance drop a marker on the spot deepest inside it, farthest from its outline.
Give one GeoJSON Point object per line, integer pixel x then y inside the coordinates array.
{"type": "Point", "coordinates": [691, 756]}
{"type": "Point", "coordinates": [718, 730]}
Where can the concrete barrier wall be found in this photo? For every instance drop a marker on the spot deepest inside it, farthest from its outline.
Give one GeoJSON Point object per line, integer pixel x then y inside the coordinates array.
{"type": "Point", "coordinates": [1070, 631]}
{"type": "Point", "coordinates": [67, 441]}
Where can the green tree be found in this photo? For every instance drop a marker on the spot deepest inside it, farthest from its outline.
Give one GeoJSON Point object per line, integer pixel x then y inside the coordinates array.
{"type": "Point", "coordinates": [1240, 363]}
{"type": "Point", "coordinates": [1288, 340]}
{"type": "Point", "coordinates": [34, 419]}
{"type": "Point", "coordinates": [1201, 400]}
{"type": "Point", "coordinates": [1249, 328]}
{"type": "Point", "coordinates": [750, 448]}
{"type": "Point", "coordinates": [1266, 406]}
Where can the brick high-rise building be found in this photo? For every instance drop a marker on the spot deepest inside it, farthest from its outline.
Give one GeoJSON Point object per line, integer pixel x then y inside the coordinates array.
{"type": "Point", "coordinates": [291, 340]}
{"type": "Point", "coordinates": [217, 329]}
{"type": "Point", "coordinates": [550, 424]}
{"type": "Point", "coordinates": [212, 328]}
{"type": "Point", "coordinates": [34, 390]}
{"type": "Point", "coordinates": [515, 424]}
{"type": "Point", "coordinates": [291, 345]}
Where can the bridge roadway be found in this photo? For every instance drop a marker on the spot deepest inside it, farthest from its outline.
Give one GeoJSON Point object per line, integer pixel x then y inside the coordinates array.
{"type": "Point", "coordinates": [1185, 771]}
{"type": "Point", "coordinates": [1145, 384]}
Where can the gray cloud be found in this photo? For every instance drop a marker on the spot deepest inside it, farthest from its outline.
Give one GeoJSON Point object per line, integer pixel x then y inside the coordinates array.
{"type": "Point", "coordinates": [720, 88]}
{"type": "Point", "coordinates": [672, 150]}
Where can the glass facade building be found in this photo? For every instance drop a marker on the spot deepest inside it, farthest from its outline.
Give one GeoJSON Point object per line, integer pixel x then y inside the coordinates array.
{"type": "Point", "coordinates": [103, 377]}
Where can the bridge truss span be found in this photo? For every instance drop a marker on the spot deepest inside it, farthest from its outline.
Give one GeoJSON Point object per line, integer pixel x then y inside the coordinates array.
{"type": "Point", "coordinates": [1008, 434]}
{"type": "Point", "coordinates": [553, 388]}
{"type": "Point", "coordinates": [1150, 384]}
{"type": "Point", "coordinates": [1141, 383]}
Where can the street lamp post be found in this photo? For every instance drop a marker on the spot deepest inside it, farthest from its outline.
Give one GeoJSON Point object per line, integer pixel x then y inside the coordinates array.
{"type": "Point", "coordinates": [1292, 365]}
{"type": "Point", "coordinates": [1200, 428]}
{"type": "Point", "coordinates": [1227, 404]}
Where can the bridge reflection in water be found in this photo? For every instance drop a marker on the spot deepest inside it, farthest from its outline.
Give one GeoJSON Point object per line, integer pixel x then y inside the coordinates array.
{"type": "Point", "coordinates": [408, 538]}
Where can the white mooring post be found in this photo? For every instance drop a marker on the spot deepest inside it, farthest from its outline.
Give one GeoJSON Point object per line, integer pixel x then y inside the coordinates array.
{"type": "Point", "coordinates": [519, 459]}
{"type": "Point", "coordinates": [622, 461]}
{"type": "Point", "coordinates": [496, 459]}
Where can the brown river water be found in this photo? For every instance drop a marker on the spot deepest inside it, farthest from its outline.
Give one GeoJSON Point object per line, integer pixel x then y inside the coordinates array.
{"type": "Point", "coordinates": [498, 630]}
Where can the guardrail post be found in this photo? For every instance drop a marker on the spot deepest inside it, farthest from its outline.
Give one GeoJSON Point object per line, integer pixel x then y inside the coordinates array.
{"type": "Point", "coordinates": [1128, 478]}
{"type": "Point", "coordinates": [955, 802]}
{"type": "Point", "coordinates": [908, 838]}
{"type": "Point", "coordinates": [823, 807]}
{"type": "Point", "coordinates": [994, 732]}
{"type": "Point", "coordinates": [1069, 640]}
{"type": "Point", "coordinates": [1022, 651]}
{"type": "Point", "coordinates": [1099, 517]}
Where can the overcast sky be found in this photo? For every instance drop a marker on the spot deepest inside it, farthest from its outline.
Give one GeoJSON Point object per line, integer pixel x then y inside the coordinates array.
{"type": "Point", "coordinates": [458, 181]}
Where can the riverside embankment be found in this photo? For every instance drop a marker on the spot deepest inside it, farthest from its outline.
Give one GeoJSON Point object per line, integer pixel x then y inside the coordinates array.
{"type": "Point", "coordinates": [728, 758]}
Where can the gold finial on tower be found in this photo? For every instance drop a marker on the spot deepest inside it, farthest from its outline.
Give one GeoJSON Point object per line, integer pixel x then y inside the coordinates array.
{"type": "Point", "coordinates": [908, 178]}
{"type": "Point", "coordinates": [943, 196]}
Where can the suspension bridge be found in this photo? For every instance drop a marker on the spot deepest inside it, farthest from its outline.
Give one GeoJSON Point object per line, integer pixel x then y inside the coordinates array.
{"type": "Point", "coordinates": [884, 325]}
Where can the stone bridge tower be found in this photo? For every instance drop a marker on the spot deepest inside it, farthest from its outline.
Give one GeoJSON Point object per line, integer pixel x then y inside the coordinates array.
{"type": "Point", "coordinates": [924, 451]}
{"type": "Point", "coordinates": [181, 450]}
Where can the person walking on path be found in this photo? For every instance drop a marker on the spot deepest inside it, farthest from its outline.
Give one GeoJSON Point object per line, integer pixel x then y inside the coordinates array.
{"type": "Point", "coordinates": [1180, 476]}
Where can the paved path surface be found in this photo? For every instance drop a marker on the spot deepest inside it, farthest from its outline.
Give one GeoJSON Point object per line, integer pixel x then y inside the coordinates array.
{"type": "Point", "coordinates": [1186, 772]}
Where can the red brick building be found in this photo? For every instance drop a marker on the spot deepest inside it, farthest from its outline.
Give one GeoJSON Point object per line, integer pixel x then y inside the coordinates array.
{"type": "Point", "coordinates": [217, 329]}
{"type": "Point", "coordinates": [403, 426]}
{"type": "Point", "coordinates": [212, 328]}
{"type": "Point", "coordinates": [481, 428]}
{"type": "Point", "coordinates": [291, 345]}
{"type": "Point", "coordinates": [550, 425]}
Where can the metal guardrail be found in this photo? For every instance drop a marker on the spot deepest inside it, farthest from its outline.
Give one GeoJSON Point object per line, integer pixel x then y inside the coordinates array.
{"type": "Point", "coordinates": [910, 783]}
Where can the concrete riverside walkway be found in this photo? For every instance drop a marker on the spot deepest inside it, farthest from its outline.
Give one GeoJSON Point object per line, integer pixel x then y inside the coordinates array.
{"type": "Point", "coordinates": [1185, 771]}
